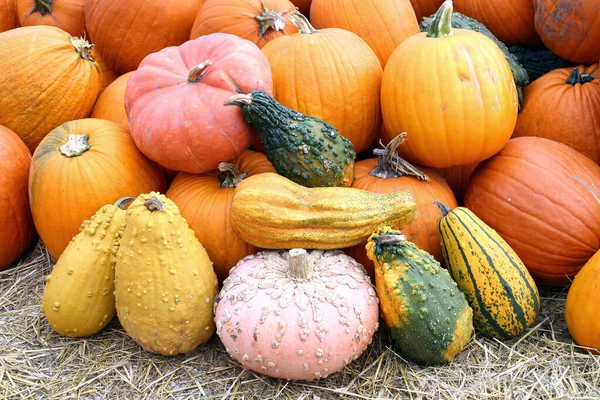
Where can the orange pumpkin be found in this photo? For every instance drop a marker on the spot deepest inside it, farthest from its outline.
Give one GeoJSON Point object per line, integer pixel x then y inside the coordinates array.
{"type": "Point", "coordinates": [47, 78]}
{"type": "Point", "coordinates": [383, 24]}
{"type": "Point", "coordinates": [458, 178]}
{"type": "Point", "coordinates": [331, 74]}
{"type": "Point", "coordinates": [214, 192]}
{"type": "Point", "coordinates": [425, 8]}
{"type": "Point", "coordinates": [16, 229]}
{"type": "Point", "coordinates": [8, 15]}
{"type": "Point", "coordinates": [303, 6]}
{"type": "Point", "coordinates": [125, 32]}
{"type": "Point", "coordinates": [65, 14]}
{"type": "Point", "coordinates": [452, 92]}
{"type": "Point", "coordinates": [388, 173]}
{"type": "Point", "coordinates": [79, 167]}
{"type": "Point", "coordinates": [564, 105]}
{"type": "Point", "coordinates": [111, 103]}
{"type": "Point", "coordinates": [108, 75]}
{"type": "Point", "coordinates": [256, 20]}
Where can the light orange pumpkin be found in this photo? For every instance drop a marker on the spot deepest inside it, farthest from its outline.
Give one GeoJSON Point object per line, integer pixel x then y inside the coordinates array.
{"type": "Point", "coordinates": [64, 14]}
{"type": "Point", "coordinates": [8, 15]}
{"type": "Point", "coordinates": [79, 167]}
{"type": "Point", "coordinates": [111, 103]}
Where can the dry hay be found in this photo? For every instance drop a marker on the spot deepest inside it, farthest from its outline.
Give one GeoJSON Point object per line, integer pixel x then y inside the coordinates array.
{"type": "Point", "coordinates": [36, 363]}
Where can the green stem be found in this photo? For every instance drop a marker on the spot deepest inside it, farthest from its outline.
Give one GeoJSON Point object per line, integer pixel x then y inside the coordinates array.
{"type": "Point", "coordinates": [42, 6]}
{"type": "Point", "coordinates": [445, 209]}
{"type": "Point", "coordinates": [76, 145]}
{"type": "Point", "coordinates": [301, 22]}
{"type": "Point", "coordinates": [442, 21]}
{"type": "Point", "coordinates": [577, 77]}
{"type": "Point", "coordinates": [389, 165]}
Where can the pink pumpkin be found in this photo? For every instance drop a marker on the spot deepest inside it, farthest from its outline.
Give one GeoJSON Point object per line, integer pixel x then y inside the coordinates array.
{"type": "Point", "coordinates": [296, 314]}
{"type": "Point", "coordinates": [174, 101]}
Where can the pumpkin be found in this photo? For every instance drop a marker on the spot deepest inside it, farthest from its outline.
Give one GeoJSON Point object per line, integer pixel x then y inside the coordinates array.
{"type": "Point", "coordinates": [16, 230]}
{"type": "Point", "coordinates": [164, 282]}
{"type": "Point", "coordinates": [497, 285]}
{"type": "Point", "coordinates": [429, 318]}
{"type": "Point", "coordinates": [303, 6]}
{"type": "Point", "coordinates": [108, 74]}
{"type": "Point", "coordinates": [465, 91]}
{"type": "Point", "coordinates": [272, 212]}
{"type": "Point", "coordinates": [79, 167]}
{"type": "Point", "coordinates": [511, 21]}
{"type": "Point", "coordinates": [256, 20]}
{"type": "Point", "coordinates": [214, 191]}
{"type": "Point", "coordinates": [570, 29]}
{"type": "Point", "coordinates": [582, 313]}
{"type": "Point", "coordinates": [305, 149]}
{"type": "Point", "coordinates": [174, 101]}
{"type": "Point", "coordinates": [331, 74]}
{"type": "Point", "coordinates": [541, 196]}
{"type": "Point", "coordinates": [458, 179]}
{"type": "Point", "coordinates": [79, 298]}
{"type": "Point", "coordinates": [388, 173]}
{"type": "Point", "coordinates": [425, 8]}
{"type": "Point", "coordinates": [65, 14]}
{"type": "Point", "coordinates": [383, 24]}
{"type": "Point", "coordinates": [111, 102]}
{"type": "Point", "coordinates": [8, 17]}
{"type": "Point", "coordinates": [573, 95]}
{"type": "Point", "coordinates": [125, 32]}
{"type": "Point", "coordinates": [296, 314]}
{"type": "Point", "coordinates": [47, 78]}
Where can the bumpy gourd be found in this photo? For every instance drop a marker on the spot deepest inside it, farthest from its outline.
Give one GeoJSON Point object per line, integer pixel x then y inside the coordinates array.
{"type": "Point", "coordinates": [79, 296]}
{"type": "Point", "coordinates": [497, 285]}
{"type": "Point", "coordinates": [428, 316]}
{"type": "Point", "coordinates": [272, 212]}
{"type": "Point", "coordinates": [165, 284]}
{"type": "Point", "coordinates": [305, 149]}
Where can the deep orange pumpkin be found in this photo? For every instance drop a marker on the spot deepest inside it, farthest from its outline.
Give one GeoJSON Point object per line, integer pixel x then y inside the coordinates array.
{"type": "Point", "coordinates": [383, 24]}
{"type": "Point", "coordinates": [174, 101]}
{"type": "Point", "coordinates": [256, 20]}
{"type": "Point", "coordinates": [8, 15]}
{"type": "Point", "coordinates": [16, 229]}
{"type": "Point", "coordinates": [125, 32]}
{"type": "Point", "coordinates": [303, 6]}
{"type": "Point", "coordinates": [571, 29]}
{"type": "Point", "coordinates": [458, 178]}
{"type": "Point", "coordinates": [541, 196]}
{"type": "Point", "coordinates": [425, 8]}
{"type": "Point", "coordinates": [72, 176]}
{"type": "Point", "coordinates": [204, 201]}
{"type": "Point", "coordinates": [331, 74]}
{"type": "Point", "coordinates": [65, 14]}
{"type": "Point", "coordinates": [111, 103]}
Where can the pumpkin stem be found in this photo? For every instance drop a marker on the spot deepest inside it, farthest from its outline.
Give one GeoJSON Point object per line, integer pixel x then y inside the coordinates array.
{"type": "Point", "coordinates": [389, 238]}
{"type": "Point", "coordinates": [231, 175]}
{"type": "Point", "coordinates": [298, 263]}
{"type": "Point", "coordinates": [239, 100]}
{"type": "Point", "coordinates": [577, 77]}
{"type": "Point", "coordinates": [41, 6]}
{"type": "Point", "coordinates": [301, 22]}
{"type": "Point", "coordinates": [389, 165]}
{"type": "Point", "coordinates": [123, 201]}
{"type": "Point", "coordinates": [83, 48]}
{"type": "Point", "coordinates": [445, 209]}
{"type": "Point", "coordinates": [154, 204]}
{"type": "Point", "coordinates": [270, 19]}
{"type": "Point", "coordinates": [442, 21]}
{"type": "Point", "coordinates": [76, 145]}
{"type": "Point", "coordinates": [197, 72]}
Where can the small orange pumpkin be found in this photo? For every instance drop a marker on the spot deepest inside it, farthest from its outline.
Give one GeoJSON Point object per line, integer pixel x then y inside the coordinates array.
{"type": "Point", "coordinates": [64, 14]}
{"type": "Point", "coordinates": [111, 103]}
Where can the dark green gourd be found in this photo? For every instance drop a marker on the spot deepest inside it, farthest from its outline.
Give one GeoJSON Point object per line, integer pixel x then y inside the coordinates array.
{"type": "Point", "coordinates": [304, 149]}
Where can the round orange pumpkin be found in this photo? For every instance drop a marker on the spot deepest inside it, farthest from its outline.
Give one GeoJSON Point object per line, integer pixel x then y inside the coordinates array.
{"type": "Point", "coordinates": [16, 229]}
{"type": "Point", "coordinates": [204, 201]}
{"type": "Point", "coordinates": [541, 196]}
{"type": "Point", "coordinates": [452, 92]}
{"type": "Point", "coordinates": [331, 74]}
{"type": "Point", "coordinates": [125, 32]}
{"type": "Point", "coordinates": [79, 167]}
{"type": "Point", "coordinates": [383, 24]}
{"type": "Point", "coordinates": [564, 105]}
{"type": "Point", "coordinates": [65, 14]}
{"type": "Point", "coordinates": [8, 15]}
{"type": "Point", "coordinates": [108, 74]}
{"type": "Point", "coordinates": [256, 20]}
{"type": "Point", "coordinates": [47, 78]}
{"type": "Point", "coordinates": [111, 103]}
{"type": "Point", "coordinates": [458, 178]}
{"type": "Point", "coordinates": [425, 8]}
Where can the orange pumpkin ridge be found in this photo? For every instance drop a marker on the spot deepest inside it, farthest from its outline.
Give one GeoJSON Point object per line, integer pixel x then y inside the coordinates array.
{"type": "Point", "coordinates": [9, 18]}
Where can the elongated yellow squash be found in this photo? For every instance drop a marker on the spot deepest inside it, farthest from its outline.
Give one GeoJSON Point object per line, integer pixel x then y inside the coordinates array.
{"type": "Point", "coordinates": [78, 298]}
{"type": "Point", "coordinates": [165, 285]}
{"type": "Point", "coordinates": [272, 212]}
{"type": "Point", "coordinates": [499, 288]}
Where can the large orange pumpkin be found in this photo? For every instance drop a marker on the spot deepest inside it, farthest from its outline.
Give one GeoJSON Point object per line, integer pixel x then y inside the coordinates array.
{"type": "Point", "coordinates": [571, 29]}
{"type": "Point", "coordinates": [47, 78]}
{"type": "Point", "coordinates": [564, 105]}
{"type": "Point", "coordinates": [111, 103]}
{"type": "Point", "coordinates": [425, 8]}
{"type": "Point", "coordinates": [331, 74]}
{"type": "Point", "coordinates": [65, 14]}
{"type": "Point", "coordinates": [204, 201]}
{"type": "Point", "coordinates": [383, 24]}
{"type": "Point", "coordinates": [125, 32]}
{"type": "Point", "coordinates": [256, 20]}
{"type": "Point", "coordinates": [542, 197]}
{"type": "Point", "coordinates": [8, 15]}
{"type": "Point", "coordinates": [79, 167]}
{"type": "Point", "coordinates": [452, 92]}
{"type": "Point", "coordinates": [16, 229]}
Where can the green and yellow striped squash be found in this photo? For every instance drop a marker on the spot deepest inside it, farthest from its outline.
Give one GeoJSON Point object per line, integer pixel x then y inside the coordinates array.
{"type": "Point", "coordinates": [499, 288]}
{"type": "Point", "coordinates": [428, 316]}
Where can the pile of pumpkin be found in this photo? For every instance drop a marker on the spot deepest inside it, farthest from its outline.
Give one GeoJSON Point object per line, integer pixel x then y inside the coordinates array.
{"type": "Point", "coordinates": [366, 136]}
